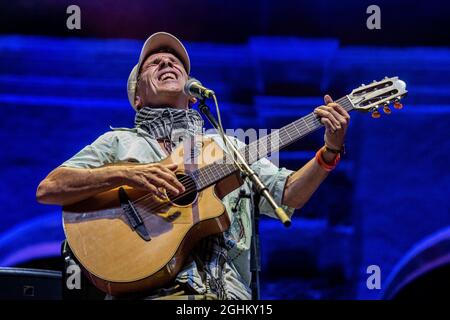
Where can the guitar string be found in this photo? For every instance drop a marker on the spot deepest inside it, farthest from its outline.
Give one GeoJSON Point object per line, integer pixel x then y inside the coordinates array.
{"type": "Point", "coordinates": [151, 208]}
{"type": "Point", "coordinates": [245, 149]}
{"type": "Point", "coordinates": [192, 183]}
{"type": "Point", "coordinates": [192, 186]}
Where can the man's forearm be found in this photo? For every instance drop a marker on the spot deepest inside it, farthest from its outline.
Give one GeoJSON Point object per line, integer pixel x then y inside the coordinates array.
{"type": "Point", "coordinates": [303, 183]}
{"type": "Point", "coordinates": [65, 186]}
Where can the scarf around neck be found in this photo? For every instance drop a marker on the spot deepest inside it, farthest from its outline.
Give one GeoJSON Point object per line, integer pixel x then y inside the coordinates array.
{"type": "Point", "coordinates": [169, 123]}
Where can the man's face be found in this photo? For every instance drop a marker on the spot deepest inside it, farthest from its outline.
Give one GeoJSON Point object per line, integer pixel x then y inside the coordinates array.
{"type": "Point", "coordinates": [162, 80]}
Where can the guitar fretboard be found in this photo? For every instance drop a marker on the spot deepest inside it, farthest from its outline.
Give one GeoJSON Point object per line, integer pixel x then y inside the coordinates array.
{"type": "Point", "coordinates": [262, 147]}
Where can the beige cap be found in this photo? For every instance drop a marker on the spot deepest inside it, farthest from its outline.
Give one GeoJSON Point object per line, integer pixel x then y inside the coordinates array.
{"type": "Point", "coordinates": [156, 41]}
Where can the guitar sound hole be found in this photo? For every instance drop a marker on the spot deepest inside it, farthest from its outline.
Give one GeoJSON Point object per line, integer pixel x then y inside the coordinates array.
{"type": "Point", "coordinates": [189, 195]}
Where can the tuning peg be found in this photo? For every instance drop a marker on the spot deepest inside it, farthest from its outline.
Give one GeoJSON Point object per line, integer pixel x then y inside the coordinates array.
{"type": "Point", "coordinates": [398, 105]}
{"type": "Point", "coordinates": [386, 109]}
{"type": "Point", "coordinates": [376, 114]}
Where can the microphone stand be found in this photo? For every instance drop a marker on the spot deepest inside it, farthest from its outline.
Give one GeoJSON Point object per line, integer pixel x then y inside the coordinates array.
{"type": "Point", "coordinates": [255, 249]}
{"type": "Point", "coordinates": [260, 190]}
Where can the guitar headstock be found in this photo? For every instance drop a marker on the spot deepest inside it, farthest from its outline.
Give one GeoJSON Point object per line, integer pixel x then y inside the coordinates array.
{"type": "Point", "coordinates": [378, 94]}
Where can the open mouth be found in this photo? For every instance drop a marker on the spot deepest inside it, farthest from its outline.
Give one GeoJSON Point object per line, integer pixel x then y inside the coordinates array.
{"type": "Point", "coordinates": [168, 75]}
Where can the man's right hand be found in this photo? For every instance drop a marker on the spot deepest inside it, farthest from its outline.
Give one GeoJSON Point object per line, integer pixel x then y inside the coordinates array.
{"type": "Point", "coordinates": [65, 186]}
{"type": "Point", "coordinates": [153, 176]}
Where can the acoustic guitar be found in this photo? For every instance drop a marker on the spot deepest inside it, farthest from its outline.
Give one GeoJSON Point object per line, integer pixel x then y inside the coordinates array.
{"type": "Point", "coordinates": [130, 241]}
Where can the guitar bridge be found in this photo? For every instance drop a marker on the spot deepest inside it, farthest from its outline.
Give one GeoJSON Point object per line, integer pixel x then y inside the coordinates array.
{"type": "Point", "coordinates": [133, 216]}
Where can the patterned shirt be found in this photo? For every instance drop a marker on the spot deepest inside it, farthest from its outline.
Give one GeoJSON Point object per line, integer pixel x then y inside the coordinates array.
{"type": "Point", "coordinates": [220, 264]}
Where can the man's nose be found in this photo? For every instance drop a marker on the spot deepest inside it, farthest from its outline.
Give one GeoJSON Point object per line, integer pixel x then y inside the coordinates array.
{"type": "Point", "coordinates": [165, 61]}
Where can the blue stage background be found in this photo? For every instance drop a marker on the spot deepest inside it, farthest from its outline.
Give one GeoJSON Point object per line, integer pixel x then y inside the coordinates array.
{"type": "Point", "coordinates": [389, 193]}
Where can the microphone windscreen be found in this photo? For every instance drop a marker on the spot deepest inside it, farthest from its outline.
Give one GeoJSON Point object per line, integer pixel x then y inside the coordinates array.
{"type": "Point", "coordinates": [189, 83]}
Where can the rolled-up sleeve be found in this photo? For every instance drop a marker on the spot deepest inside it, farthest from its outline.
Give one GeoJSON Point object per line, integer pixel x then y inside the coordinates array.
{"type": "Point", "coordinates": [94, 155]}
{"type": "Point", "coordinates": [275, 179]}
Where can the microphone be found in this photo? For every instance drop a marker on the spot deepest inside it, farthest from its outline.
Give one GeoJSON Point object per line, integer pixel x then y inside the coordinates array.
{"type": "Point", "coordinates": [194, 88]}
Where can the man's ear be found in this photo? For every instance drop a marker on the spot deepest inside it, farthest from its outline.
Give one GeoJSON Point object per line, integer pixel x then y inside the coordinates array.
{"type": "Point", "coordinates": [138, 102]}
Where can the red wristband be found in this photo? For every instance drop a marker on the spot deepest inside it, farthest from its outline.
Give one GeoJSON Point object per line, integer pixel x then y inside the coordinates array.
{"type": "Point", "coordinates": [323, 164]}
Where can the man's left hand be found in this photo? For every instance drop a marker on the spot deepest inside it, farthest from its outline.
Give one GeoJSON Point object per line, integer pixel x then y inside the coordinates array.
{"type": "Point", "coordinates": [336, 120]}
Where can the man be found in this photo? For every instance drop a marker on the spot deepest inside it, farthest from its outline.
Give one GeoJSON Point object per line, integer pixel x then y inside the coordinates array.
{"type": "Point", "coordinates": [218, 267]}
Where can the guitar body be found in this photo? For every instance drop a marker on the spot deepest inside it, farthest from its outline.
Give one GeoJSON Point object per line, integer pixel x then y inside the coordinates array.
{"type": "Point", "coordinates": [116, 258]}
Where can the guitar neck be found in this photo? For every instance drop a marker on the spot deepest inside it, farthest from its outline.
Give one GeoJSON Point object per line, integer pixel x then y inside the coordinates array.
{"type": "Point", "coordinates": [263, 147]}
